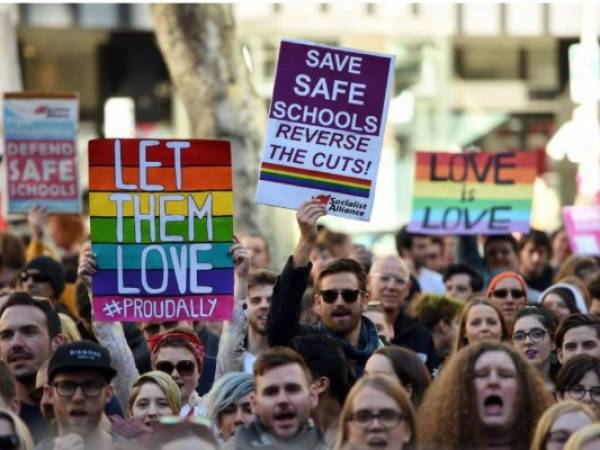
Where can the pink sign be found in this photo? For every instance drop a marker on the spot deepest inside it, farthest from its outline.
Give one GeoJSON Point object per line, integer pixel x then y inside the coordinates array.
{"type": "Point", "coordinates": [582, 224]}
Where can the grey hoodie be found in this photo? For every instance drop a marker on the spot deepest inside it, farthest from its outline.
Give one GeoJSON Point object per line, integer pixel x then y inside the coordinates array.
{"type": "Point", "coordinates": [256, 436]}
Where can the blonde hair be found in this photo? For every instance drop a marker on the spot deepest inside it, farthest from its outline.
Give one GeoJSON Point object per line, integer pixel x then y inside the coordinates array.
{"type": "Point", "coordinates": [551, 415]}
{"type": "Point", "coordinates": [69, 329]}
{"type": "Point", "coordinates": [391, 387]}
{"type": "Point", "coordinates": [164, 382]}
{"type": "Point", "coordinates": [21, 430]}
{"type": "Point", "coordinates": [583, 437]}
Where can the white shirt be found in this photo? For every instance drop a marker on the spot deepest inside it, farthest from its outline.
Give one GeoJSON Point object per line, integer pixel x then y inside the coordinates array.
{"type": "Point", "coordinates": [431, 282]}
{"type": "Point", "coordinates": [248, 362]}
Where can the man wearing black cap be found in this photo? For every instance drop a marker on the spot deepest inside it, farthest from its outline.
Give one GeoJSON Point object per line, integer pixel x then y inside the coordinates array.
{"type": "Point", "coordinates": [79, 376]}
{"type": "Point", "coordinates": [44, 277]}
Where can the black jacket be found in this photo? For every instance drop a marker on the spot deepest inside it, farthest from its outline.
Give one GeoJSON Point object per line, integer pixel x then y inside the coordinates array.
{"type": "Point", "coordinates": [412, 334]}
{"type": "Point", "coordinates": [283, 322]}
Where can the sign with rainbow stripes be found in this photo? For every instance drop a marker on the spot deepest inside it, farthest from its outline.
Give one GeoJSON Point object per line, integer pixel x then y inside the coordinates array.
{"type": "Point", "coordinates": [473, 193]}
{"type": "Point", "coordinates": [325, 129]}
{"type": "Point", "coordinates": [161, 215]}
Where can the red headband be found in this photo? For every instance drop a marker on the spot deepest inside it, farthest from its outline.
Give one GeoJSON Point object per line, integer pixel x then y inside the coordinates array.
{"type": "Point", "coordinates": [191, 338]}
{"type": "Point", "coordinates": [501, 276]}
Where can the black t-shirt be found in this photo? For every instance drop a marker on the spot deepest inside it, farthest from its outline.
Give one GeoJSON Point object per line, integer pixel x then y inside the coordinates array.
{"type": "Point", "coordinates": [32, 416]}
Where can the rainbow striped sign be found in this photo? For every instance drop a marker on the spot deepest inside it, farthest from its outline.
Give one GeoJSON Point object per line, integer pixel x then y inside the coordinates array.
{"type": "Point", "coordinates": [161, 215]}
{"type": "Point", "coordinates": [325, 128]}
{"type": "Point", "coordinates": [473, 193]}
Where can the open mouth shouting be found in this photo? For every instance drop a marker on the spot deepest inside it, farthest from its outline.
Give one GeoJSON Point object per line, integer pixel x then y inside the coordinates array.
{"type": "Point", "coordinates": [378, 441]}
{"type": "Point", "coordinates": [78, 416]}
{"type": "Point", "coordinates": [285, 421]}
{"type": "Point", "coordinates": [493, 406]}
{"type": "Point", "coordinates": [341, 314]}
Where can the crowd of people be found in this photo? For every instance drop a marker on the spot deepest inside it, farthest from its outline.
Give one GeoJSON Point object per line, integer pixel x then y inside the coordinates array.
{"type": "Point", "coordinates": [449, 343]}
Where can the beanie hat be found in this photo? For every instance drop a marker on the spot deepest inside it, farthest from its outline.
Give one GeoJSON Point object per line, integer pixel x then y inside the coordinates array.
{"type": "Point", "coordinates": [52, 269]}
{"type": "Point", "coordinates": [503, 275]}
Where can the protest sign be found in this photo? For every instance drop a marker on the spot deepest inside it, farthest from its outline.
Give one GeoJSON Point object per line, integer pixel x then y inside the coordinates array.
{"type": "Point", "coordinates": [325, 128]}
{"type": "Point", "coordinates": [40, 147]}
{"type": "Point", "coordinates": [582, 224]}
{"type": "Point", "coordinates": [472, 193]}
{"type": "Point", "coordinates": [161, 214]}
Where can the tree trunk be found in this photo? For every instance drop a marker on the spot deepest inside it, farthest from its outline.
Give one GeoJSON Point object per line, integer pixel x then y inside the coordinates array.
{"type": "Point", "coordinates": [10, 73]}
{"type": "Point", "coordinates": [204, 59]}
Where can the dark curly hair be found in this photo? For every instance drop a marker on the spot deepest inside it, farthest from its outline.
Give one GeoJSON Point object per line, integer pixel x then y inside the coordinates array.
{"type": "Point", "coordinates": [448, 419]}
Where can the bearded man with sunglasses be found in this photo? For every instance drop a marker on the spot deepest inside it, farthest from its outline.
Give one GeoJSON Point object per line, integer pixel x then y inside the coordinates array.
{"type": "Point", "coordinates": [339, 300]}
{"type": "Point", "coordinates": [79, 377]}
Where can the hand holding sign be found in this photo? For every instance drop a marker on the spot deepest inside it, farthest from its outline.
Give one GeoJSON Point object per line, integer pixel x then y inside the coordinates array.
{"type": "Point", "coordinates": [308, 214]}
{"type": "Point", "coordinates": [37, 218]}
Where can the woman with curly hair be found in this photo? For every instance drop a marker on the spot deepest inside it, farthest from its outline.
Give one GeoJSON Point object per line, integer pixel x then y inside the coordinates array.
{"type": "Point", "coordinates": [479, 320]}
{"type": "Point", "coordinates": [558, 423]}
{"type": "Point", "coordinates": [487, 397]}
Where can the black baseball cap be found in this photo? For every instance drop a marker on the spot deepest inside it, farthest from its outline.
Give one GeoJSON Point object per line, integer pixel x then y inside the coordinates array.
{"type": "Point", "coordinates": [81, 355]}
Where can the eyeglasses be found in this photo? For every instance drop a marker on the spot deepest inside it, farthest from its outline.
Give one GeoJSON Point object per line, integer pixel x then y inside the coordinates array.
{"type": "Point", "coordinates": [578, 391]}
{"type": "Point", "coordinates": [503, 293]}
{"type": "Point", "coordinates": [184, 368]}
{"type": "Point", "coordinates": [36, 277]}
{"type": "Point", "coordinates": [90, 388]}
{"type": "Point", "coordinates": [388, 418]}
{"type": "Point", "coordinates": [10, 442]}
{"type": "Point", "coordinates": [155, 328]}
{"type": "Point", "coordinates": [36, 395]}
{"type": "Point", "coordinates": [331, 295]}
{"type": "Point", "coordinates": [535, 335]}
{"type": "Point", "coordinates": [559, 437]}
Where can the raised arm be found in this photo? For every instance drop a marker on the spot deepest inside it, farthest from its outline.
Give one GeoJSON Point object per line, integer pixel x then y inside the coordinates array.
{"type": "Point", "coordinates": [111, 336]}
{"type": "Point", "coordinates": [283, 322]}
{"type": "Point", "coordinates": [36, 220]}
{"type": "Point", "coordinates": [307, 216]}
{"type": "Point", "coordinates": [231, 345]}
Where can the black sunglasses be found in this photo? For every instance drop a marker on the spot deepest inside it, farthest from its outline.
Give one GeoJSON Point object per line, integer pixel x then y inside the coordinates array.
{"type": "Point", "coordinates": [503, 293]}
{"type": "Point", "coordinates": [36, 277]}
{"type": "Point", "coordinates": [331, 295]}
{"type": "Point", "coordinates": [185, 368]}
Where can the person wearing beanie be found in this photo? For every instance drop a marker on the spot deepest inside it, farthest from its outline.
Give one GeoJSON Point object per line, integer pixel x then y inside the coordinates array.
{"type": "Point", "coordinates": [508, 292]}
{"type": "Point", "coordinates": [43, 276]}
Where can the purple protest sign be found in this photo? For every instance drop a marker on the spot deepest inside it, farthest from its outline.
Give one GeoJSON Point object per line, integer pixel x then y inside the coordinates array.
{"type": "Point", "coordinates": [325, 129]}
{"type": "Point", "coordinates": [582, 224]}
